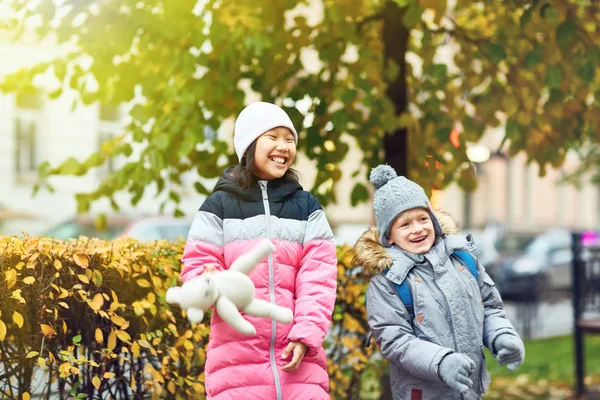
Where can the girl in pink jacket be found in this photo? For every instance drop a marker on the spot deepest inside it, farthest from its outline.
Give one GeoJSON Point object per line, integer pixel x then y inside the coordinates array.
{"type": "Point", "coordinates": [261, 198]}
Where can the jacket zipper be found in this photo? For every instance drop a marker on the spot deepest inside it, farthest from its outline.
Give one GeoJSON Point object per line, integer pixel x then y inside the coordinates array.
{"type": "Point", "coordinates": [265, 197]}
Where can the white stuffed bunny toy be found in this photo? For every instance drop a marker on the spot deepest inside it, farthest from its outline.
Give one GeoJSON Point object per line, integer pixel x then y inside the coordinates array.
{"type": "Point", "coordinates": [231, 290]}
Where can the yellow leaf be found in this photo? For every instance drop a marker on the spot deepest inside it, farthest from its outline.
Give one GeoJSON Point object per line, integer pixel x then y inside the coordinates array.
{"type": "Point", "coordinates": [10, 275]}
{"type": "Point", "coordinates": [118, 320]}
{"type": "Point", "coordinates": [143, 283]}
{"type": "Point", "coordinates": [108, 375]}
{"type": "Point", "coordinates": [83, 278]}
{"type": "Point", "coordinates": [41, 362]}
{"type": "Point", "coordinates": [124, 336]}
{"type": "Point", "coordinates": [81, 259]}
{"type": "Point", "coordinates": [2, 330]}
{"type": "Point", "coordinates": [20, 265]}
{"type": "Point", "coordinates": [97, 302]}
{"type": "Point", "coordinates": [29, 280]}
{"type": "Point", "coordinates": [96, 382]}
{"type": "Point", "coordinates": [18, 319]}
{"type": "Point", "coordinates": [57, 264]}
{"type": "Point", "coordinates": [171, 387]}
{"type": "Point", "coordinates": [26, 396]}
{"type": "Point", "coordinates": [44, 245]}
{"type": "Point", "coordinates": [135, 349]}
{"type": "Point", "coordinates": [99, 335]}
{"type": "Point", "coordinates": [112, 340]}
{"type": "Point", "coordinates": [63, 304]}
{"type": "Point", "coordinates": [47, 330]}
{"type": "Point", "coordinates": [32, 354]}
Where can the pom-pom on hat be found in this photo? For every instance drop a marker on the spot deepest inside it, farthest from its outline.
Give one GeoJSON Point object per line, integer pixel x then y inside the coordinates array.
{"type": "Point", "coordinates": [256, 119]}
{"type": "Point", "coordinates": [394, 195]}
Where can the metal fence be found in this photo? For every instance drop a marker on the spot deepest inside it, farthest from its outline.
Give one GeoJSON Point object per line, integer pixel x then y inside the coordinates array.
{"type": "Point", "coordinates": [586, 299]}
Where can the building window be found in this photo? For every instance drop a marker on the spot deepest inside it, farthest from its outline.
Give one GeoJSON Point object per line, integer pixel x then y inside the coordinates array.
{"type": "Point", "coordinates": [26, 157]}
{"type": "Point", "coordinates": [27, 123]}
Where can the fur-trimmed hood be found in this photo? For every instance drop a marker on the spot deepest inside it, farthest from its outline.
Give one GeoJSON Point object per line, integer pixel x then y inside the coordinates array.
{"type": "Point", "coordinates": [374, 258]}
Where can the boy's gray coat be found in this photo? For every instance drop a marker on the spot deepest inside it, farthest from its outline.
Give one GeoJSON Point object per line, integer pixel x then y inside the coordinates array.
{"type": "Point", "coordinates": [453, 313]}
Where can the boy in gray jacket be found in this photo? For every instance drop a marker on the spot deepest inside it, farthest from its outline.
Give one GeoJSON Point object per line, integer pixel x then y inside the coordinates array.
{"type": "Point", "coordinates": [435, 347]}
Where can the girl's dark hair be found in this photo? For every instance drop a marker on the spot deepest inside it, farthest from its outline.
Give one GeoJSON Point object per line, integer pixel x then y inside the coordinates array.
{"type": "Point", "coordinates": [243, 173]}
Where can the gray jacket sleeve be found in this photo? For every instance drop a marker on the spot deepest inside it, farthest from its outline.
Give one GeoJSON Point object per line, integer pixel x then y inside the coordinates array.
{"type": "Point", "coordinates": [389, 322]}
{"type": "Point", "coordinates": [496, 322]}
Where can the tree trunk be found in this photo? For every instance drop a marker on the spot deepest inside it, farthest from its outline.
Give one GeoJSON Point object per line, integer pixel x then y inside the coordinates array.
{"type": "Point", "coordinates": [395, 41]}
{"type": "Point", "coordinates": [395, 144]}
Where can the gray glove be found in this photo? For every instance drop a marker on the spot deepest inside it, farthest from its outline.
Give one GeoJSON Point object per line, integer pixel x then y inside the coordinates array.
{"type": "Point", "coordinates": [456, 370]}
{"type": "Point", "coordinates": [509, 351]}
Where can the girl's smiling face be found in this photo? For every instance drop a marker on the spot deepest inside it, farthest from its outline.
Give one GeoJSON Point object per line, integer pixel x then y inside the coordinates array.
{"type": "Point", "coordinates": [275, 152]}
{"type": "Point", "coordinates": [413, 231]}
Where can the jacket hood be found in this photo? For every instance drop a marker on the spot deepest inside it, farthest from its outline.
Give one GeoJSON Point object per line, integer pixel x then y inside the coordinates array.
{"type": "Point", "coordinates": [277, 189]}
{"type": "Point", "coordinates": [374, 258]}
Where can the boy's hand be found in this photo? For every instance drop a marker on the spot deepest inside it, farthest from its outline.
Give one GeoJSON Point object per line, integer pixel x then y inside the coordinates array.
{"type": "Point", "coordinates": [510, 351]}
{"type": "Point", "coordinates": [298, 349]}
{"type": "Point", "coordinates": [455, 370]}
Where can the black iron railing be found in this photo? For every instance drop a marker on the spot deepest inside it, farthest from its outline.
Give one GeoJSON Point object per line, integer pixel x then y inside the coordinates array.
{"type": "Point", "coordinates": [586, 298]}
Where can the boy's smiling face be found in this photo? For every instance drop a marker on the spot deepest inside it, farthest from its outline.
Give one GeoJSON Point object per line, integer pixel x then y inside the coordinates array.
{"type": "Point", "coordinates": [413, 231]}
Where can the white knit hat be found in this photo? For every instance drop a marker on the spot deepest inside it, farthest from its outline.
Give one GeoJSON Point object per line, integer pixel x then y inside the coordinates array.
{"type": "Point", "coordinates": [256, 119]}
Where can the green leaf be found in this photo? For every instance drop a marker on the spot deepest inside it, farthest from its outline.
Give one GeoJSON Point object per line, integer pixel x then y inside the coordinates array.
{"type": "Point", "coordinates": [412, 16]}
{"type": "Point", "coordinates": [496, 51]}
{"type": "Point", "coordinates": [587, 72]}
{"type": "Point", "coordinates": [403, 3]}
{"type": "Point", "coordinates": [76, 339]}
{"type": "Point", "coordinates": [70, 167]}
{"type": "Point", "coordinates": [359, 194]}
{"type": "Point", "coordinates": [526, 17]}
{"type": "Point", "coordinates": [565, 33]}
{"type": "Point", "coordinates": [201, 189]}
{"type": "Point", "coordinates": [533, 57]}
{"type": "Point", "coordinates": [553, 77]}
{"type": "Point", "coordinates": [439, 71]}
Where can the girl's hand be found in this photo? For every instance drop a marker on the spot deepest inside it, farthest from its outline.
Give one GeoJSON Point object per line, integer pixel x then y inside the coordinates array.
{"type": "Point", "coordinates": [298, 349]}
{"type": "Point", "coordinates": [211, 269]}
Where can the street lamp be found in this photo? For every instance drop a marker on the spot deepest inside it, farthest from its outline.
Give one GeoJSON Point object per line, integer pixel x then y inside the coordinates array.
{"type": "Point", "coordinates": [477, 154]}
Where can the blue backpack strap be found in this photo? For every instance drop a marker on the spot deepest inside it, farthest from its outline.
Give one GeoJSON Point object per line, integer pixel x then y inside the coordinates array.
{"type": "Point", "coordinates": [406, 296]}
{"type": "Point", "coordinates": [468, 260]}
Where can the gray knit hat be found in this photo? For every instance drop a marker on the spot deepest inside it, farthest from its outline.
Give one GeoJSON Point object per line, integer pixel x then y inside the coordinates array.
{"type": "Point", "coordinates": [393, 195]}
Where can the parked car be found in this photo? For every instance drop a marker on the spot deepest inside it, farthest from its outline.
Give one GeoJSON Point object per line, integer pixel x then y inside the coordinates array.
{"type": "Point", "coordinates": [146, 228]}
{"type": "Point", "coordinates": [508, 246]}
{"type": "Point", "coordinates": [543, 269]}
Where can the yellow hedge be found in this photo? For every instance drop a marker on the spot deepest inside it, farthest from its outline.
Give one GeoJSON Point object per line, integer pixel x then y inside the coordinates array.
{"type": "Point", "coordinates": [89, 317]}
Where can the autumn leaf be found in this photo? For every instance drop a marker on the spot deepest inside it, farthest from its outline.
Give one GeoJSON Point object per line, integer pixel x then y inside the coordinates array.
{"type": "Point", "coordinates": [143, 283]}
{"type": "Point", "coordinates": [29, 280]}
{"type": "Point", "coordinates": [47, 330]}
{"type": "Point", "coordinates": [112, 340]}
{"type": "Point", "coordinates": [96, 382]}
{"type": "Point", "coordinates": [97, 302]}
{"type": "Point", "coordinates": [99, 336]}
{"type": "Point", "coordinates": [18, 319]}
{"type": "Point", "coordinates": [81, 259]}
{"type": "Point", "coordinates": [2, 330]}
